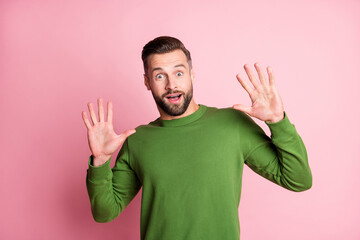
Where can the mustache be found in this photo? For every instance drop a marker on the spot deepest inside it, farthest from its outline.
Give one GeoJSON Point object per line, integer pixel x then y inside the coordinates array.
{"type": "Point", "coordinates": [171, 92]}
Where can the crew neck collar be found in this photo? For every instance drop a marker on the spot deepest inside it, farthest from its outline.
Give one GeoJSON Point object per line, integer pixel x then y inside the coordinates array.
{"type": "Point", "coordinates": [184, 120]}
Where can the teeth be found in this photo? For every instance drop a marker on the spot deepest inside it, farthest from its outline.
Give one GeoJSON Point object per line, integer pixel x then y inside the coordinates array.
{"type": "Point", "coordinates": [176, 96]}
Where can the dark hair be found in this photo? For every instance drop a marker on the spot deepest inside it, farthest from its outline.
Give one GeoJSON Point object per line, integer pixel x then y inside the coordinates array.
{"type": "Point", "coordinates": [163, 44]}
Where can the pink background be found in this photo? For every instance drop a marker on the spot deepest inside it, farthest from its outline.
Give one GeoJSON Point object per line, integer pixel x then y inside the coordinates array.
{"type": "Point", "coordinates": [55, 56]}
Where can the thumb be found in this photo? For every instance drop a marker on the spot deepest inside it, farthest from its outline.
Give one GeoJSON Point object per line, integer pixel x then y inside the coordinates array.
{"type": "Point", "coordinates": [242, 108]}
{"type": "Point", "coordinates": [126, 134]}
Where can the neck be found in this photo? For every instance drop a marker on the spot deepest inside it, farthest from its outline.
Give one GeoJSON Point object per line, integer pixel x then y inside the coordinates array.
{"type": "Point", "coordinates": [193, 107]}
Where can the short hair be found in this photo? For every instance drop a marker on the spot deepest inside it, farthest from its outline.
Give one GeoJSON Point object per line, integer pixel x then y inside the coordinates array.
{"type": "Point", "coordinates": [163, 44]}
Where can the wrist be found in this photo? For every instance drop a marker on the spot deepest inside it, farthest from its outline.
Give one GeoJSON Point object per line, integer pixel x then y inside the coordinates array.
{"type": "Point", "coordinates": [99, 160]}
{"type": "Point", "coordinates": [276, 118]}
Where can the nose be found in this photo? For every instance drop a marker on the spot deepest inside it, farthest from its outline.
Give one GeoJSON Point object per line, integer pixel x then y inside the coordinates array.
{"type": "Point", "coordinates": [171, 83]}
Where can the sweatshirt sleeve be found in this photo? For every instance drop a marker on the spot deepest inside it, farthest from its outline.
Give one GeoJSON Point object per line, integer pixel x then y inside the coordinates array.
{"type": "Point", "coordinates": [111, 190]}
{"type": "Point", "coordinates": [281, 159]}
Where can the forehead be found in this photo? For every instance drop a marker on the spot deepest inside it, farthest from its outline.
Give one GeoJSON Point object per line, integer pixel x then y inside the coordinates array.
{"type": "Point", "coordinates": [167, 60]}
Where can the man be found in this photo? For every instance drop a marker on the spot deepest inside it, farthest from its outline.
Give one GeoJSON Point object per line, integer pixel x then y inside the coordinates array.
{"type": "Point", "coordinates": [189, 161]}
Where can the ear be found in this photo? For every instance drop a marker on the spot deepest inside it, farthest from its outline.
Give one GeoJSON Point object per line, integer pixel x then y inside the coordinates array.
{"type": "Point", "coordinates": [192, 74]}
{"type": "Point", "coordinates": [146, 82]}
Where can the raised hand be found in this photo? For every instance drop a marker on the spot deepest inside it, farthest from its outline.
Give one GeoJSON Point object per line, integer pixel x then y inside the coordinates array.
{"type": "Point", "coordinates": [266, 102]}
{"type": "Point", "coordinates": [103, 141]}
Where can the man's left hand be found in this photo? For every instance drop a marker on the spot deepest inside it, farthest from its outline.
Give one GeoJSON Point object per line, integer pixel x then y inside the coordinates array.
{"type": "Point", "coordinates": [266, 102]}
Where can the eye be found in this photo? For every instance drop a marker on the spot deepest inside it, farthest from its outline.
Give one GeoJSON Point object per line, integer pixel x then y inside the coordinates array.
{"type": "Point", "coordinates": [179, 74]}
{"type": "Point", "coordinates": [159, 76]}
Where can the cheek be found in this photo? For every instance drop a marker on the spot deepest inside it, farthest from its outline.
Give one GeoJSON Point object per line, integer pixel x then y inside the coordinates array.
{"type": "Point", "coordinates": [187, 85]}
{"type": "Point", "coordinates": [157, 88]}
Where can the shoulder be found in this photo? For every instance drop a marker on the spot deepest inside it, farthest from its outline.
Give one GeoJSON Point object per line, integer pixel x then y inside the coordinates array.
{"type": "Point", "coordinates": [234, 118]}
{"type": "Point", "coordinates": [143, 132]}
{"type": "Point", "coordinates": [228, 114]}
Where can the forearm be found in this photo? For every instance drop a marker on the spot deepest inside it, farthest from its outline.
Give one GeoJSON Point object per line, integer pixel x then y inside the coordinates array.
{"type": "Point", "coordinates": [104, 204]}
{"type": "Point", "coordinates": [284, 158]}
{"type": "Point", "coordinates": [294, 172]}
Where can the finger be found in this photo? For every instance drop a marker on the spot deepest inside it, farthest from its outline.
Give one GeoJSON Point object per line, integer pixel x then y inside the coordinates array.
{"type": "Point", "coordinates": [126, 134]}
{"type": "Point", "coordinates": [101, 110]}
{"type": "Point", "coordinates": [251, 76]}
{"type": "Point", "coordinates": [260, 73]}
{"type": "Point", "coordinates": [242, 108]}
{"type": "Point", "coordinates": [86, 120]}
{"type": "Point", "coordinates": [92, 113]}
{"type": "Point", "coordinates": [110, 112]}
{"type": "Point", "coordinates": [271, 76]}
{"type": "Point", "coordinates": [246, 86]}
{"type": "Point", "coordinates": [129, 132]}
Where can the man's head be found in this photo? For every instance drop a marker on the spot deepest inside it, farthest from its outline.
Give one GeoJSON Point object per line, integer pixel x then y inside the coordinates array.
{"type": "Point", "coordinates": [163, 44]}
{"type": "Point", "coordinates": [168, 74]}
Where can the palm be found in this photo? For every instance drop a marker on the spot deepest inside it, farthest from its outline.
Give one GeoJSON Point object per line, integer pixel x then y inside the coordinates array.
{"type": "Point", "coordinates": [266, 102]}
{"type": "Point", "coordinates": [103, 141]}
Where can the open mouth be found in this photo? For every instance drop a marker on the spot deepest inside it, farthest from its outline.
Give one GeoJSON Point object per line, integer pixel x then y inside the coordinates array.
{"type": "Point", "coordinates": [174, 98]}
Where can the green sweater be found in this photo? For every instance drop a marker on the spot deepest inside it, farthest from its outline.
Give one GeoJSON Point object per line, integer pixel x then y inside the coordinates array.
{"type": "Point", "coordinates": [191, 169]}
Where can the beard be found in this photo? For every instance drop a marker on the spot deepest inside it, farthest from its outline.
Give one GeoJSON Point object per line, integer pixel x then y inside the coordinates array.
{"type": "Point", "coordinates": [174, 109]}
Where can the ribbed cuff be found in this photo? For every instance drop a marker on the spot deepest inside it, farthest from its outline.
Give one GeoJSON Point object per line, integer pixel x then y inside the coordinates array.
{"type": "Point", "coordinates": [99, 173]}
{"type": "Point", "coordinates": [282, 128]}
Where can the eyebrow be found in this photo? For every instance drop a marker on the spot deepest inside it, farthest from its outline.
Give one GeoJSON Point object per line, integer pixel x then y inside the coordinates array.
{"type": "Point", "coordinates": [159, 68]}
{"type": "Point", "coordinates": [180, 65]}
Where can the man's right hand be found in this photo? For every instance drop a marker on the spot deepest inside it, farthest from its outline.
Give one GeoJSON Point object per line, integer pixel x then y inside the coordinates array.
{"type": "Point", "coordinates": [103, 141]}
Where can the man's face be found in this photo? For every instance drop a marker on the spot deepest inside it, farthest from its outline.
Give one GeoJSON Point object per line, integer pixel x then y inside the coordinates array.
{"type": "Point", "coordinates": [169, 78]}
